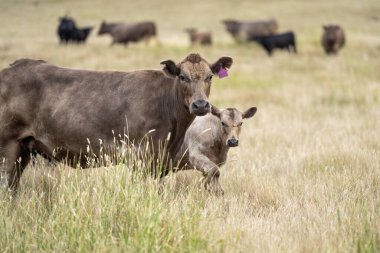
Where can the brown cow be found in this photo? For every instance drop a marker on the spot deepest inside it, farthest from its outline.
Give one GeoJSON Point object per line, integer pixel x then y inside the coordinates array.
{"type": "Point", "coordinates": [125, 33]}
{"type": "Point", "coordinates": [333, 39]}
{"type": "Point", "coordinates": [199, 37]}
{"type": "Point", "coordinates": [57, 111]}
{"type": "Point", "coordinates": [244, 31]}
{"type": "Point", "coordinates": [208, 140]}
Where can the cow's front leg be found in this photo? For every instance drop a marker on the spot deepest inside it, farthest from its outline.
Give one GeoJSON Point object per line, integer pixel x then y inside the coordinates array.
{"type": "Point", "coordinates": [210, 172]}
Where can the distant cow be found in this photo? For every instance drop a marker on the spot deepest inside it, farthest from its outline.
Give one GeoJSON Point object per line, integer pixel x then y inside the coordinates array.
{"type": "Point", "coordinates": [69, 32]}
{"type": "Point", "coordinates": [333, 39]}
{"type": "Point", "coordinates": [58, 112]}
{"type": "Point", "coordinates": [131, 32]}
{"type": "Point", "coordinates": [199, 37]}
{"type": "Point", "coordinates": [282, 41]}
{"type": "Point", "coordinates": [243, 31]}
{"type": "Point", "coordinates": [208, 140]}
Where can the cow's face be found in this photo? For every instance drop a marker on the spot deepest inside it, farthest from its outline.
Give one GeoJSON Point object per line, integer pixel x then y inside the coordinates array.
{"type": "Point", "coordinates": [103, 28]}
{"type": "Point", "coordinates": [232, 26]}
{"type": "Point", "coordinates": [194, 77]}
{"type": "Point", "coordinates": [231, 121]}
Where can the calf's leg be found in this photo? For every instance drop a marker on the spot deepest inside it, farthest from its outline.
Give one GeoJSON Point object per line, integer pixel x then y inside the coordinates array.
{"type": "Point", "coordinates": [209, 170]}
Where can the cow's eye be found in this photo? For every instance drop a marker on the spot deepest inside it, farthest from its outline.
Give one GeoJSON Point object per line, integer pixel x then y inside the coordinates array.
{"type": "Point", "coordinates": [208, 79]}
{"type": "Point", "coordinates": [224, 124]}
{"type": "Point", "coordinates": [184, 79]}
{"type": "Point", "coordinates": [241, 123]}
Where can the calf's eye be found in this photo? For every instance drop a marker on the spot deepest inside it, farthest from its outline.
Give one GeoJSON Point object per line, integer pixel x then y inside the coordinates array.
{"type": "Point", "coordinates": [241, 123]}
{"type": "Point", "coordinates": [224, 124]}
{"type": "Point", "coordinates": [208, 79]}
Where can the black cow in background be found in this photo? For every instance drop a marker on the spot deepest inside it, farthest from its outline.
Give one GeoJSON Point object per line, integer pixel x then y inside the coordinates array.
{"type": "Point", "coordinates": [69, 32]}
{"type": "Point", "coordinates": [282, 41]}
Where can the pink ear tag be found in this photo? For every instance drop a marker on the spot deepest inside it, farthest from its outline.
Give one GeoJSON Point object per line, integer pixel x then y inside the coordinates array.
{"type": "Point", "coordinates": [222, 73]}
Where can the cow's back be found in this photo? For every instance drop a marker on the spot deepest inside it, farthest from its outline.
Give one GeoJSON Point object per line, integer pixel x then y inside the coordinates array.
{"type": "Point", "coordinates": [76, 105]}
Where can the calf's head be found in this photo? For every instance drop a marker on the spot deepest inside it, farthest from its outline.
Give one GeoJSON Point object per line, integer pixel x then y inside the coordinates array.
{"type": "Point", "coordinates": [193, 77]}
{"type": "Point", "coordinates": [331, 33]}
{"type": "Point", "coordinates": [231, 121]}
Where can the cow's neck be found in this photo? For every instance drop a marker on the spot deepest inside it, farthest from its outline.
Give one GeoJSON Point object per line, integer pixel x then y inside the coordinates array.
{"type": "Point", "coordinates": [181, 120]}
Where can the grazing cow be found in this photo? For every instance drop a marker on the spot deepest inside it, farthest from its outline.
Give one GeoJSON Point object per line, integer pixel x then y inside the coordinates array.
{"type": "Point", "coordinates": [244, 31]}
{"type": "Point", "coordinates": [125, 33]}
{"type": "Point", "coordinates": [197, 37]}
{"type": "Point", "coordinates": [208, 140]}
{"type": "Point", "coordinates": [81, 34]}
{"type": "Point", "coordinates": [57, 111]}
{"type": "Point", "coordinates": [333, 39]}
{"type": "Point", "coordinates": [282, 41]}
{"type": "Point", "coordinates": [68, 31]}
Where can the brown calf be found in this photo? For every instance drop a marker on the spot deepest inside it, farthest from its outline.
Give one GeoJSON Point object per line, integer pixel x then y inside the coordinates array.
{"type": "Point", "coordinates": [333, 39]}
{"type": "Point", "coordinates": [207, 142]}
{"type": "Point", "coordinates": [198, 37]}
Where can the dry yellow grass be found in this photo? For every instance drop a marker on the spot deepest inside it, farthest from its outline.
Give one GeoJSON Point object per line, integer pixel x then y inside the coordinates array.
{"type": "Point", "coordinates": [306, 177]}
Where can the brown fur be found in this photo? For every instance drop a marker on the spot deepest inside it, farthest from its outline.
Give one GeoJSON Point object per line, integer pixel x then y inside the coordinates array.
{"type": "Point", "coordinates": [333, 39]}
{"type": "Point", "coordinates": [244, 31]}
{"type": "Point", "coordinates": [131, 32]}
{"type": "Point", "coordinates": [197, 37]}
{"type": "Point", "coordinates": [55, 111]}
{"type": "Point", "coordinates": [207, 142]}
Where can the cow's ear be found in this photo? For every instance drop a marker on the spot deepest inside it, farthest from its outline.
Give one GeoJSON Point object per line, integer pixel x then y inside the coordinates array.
{"type": "Point", "coordinates": [215, 111]}
{"type": "Point", "coordinates": [249, 113]}
{"type": "Point", "coordinates": [223, 62]}
{"type": "Point", "coordinates": [171, 68]}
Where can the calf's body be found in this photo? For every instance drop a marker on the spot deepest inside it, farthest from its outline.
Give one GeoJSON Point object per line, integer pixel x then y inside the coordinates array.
{"type": "Point", "coordinates": [207, 142]}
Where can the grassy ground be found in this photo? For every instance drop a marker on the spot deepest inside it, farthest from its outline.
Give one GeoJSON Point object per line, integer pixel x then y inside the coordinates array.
{"type": "Point", "coordinates": [306, 177]}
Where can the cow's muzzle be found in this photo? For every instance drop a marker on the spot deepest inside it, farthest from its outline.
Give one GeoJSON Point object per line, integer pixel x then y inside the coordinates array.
{"type": "Point", "coordinates": [233, 143]}
{"type": "Point", "coordinates": [200, 107]}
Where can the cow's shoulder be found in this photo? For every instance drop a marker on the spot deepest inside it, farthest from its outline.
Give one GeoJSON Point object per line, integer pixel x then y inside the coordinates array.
{"type": "Point", "coordinates": [25, 61]}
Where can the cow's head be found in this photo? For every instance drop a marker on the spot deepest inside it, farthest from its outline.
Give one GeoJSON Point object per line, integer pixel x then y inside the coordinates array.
{"type": "Point", "coordinates": [232, 26]}
{"type": "Point", "coordinates": [193, 77]}
{"type": "Point", "coordinates": [231, 121]}
{"type": "Point", "coordinates": [191, 30]}
{"type": "Point", "coordinates": [103, 28]}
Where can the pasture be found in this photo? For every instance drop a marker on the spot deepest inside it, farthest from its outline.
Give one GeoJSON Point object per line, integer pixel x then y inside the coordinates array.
{"type": "Point", "coordinates": [305, 178]}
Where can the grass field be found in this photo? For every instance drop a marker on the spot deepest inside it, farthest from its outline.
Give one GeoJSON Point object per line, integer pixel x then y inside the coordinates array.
{"type": "Point", "coordinates": [306, 177]}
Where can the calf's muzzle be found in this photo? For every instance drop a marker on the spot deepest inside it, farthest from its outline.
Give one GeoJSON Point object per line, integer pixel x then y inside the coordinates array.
{"type": "Point", "coordinates": [233, 143]}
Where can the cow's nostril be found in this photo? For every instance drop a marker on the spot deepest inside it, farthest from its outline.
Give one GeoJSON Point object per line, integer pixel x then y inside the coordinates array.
{"type": "Point", "coordinates": [200, 104]}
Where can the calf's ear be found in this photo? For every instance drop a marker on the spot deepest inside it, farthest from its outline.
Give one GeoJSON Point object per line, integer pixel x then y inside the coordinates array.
{"type": "Point", "coordinates": [215, 111]}
{"type": "Point", "coordinates": [171, 68]}
{"type": "Point", "coordinates": [223, 62]}
{"type": "Point", "coordinates": [249, 113]}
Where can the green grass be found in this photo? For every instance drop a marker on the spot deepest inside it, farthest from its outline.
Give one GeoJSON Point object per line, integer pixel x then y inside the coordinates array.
{"type": "Point", "coordinates": [306, 177]}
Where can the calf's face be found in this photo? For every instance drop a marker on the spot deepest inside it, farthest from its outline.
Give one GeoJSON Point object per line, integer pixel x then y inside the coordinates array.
{"type": "Point", "coordinates": [231, 121]}
{"type": "Point", "coordinates": [193, 77]}
{"type": "Point", "coordinates": [331, 33]}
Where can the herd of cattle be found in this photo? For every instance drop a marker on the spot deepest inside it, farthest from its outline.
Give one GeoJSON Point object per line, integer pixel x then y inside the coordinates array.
{"type": "Point", "coordinates": [263, 32]}
{"type": "Point", "coordinates": [50, 111]}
